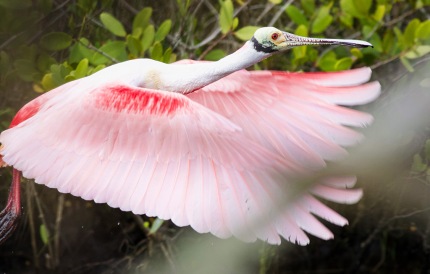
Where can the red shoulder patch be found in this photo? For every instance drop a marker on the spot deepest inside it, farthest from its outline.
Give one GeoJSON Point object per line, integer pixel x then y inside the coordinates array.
{"type": "Point", "coordinates": [138, 100]}
{"type": "Point", "coordinates": [27, 111]}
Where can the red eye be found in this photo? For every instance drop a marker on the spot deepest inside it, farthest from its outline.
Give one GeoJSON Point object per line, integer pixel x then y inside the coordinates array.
{"type": "Point", "coordinates": [275, 36]}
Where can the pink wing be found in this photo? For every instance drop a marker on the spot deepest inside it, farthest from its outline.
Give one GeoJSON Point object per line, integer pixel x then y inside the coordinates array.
{"type": "Point", "coordinates": [295, 115]}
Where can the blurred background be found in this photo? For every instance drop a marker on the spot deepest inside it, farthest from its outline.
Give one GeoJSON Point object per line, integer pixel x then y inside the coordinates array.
{"type": "Point", "coordinates": [46, 43]}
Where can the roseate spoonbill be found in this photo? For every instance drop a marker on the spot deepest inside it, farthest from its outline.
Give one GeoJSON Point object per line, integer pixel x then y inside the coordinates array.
{"type": "Point", "coordinates": [206, 144]}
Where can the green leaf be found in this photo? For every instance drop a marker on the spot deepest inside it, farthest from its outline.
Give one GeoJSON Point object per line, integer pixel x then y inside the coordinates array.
{"type": "Point", "coordinates": [25, 69]}
{"type": "Point", "coordinates": [376, 41]}
{"type": "Point", "coordinates": [226, 16]}
{"type": "Point", "coordinates": [141, 20]}
{"type": "Point", "coordinates": [343, 64]}
{"type": "Point", "coordinates": [134, 46]}
{"type": "Point", "coordinates": [163, 30]}
{"type": "Point", "coordinates": [409, 33]}
{"type": "Point", "coordinates": [328, 61]}
{"type": "Point", "coordinates": [167, 56]}
{"type": "Point", "coordinates": [56, 41]}
{"type": "Point", "coordinates": [44, 234]}
{"type": "Point", "coordinates": [308, 6]}
{"type": "Point", "coordinates": [388, 42]}
{"type": "Point", "coordinates": [80, 50]}
{"type": "Point", "coordinates": [245, 33]}
{"type": "Point", "coordinates": [157, 52]}
{"type": "Point", "coordinates": [215, 55]}
{"type": "Point", "coordinates": [423, 30]}
{"type": "Point", "coordinates": [112, 24]}
{"type": "Point", "coordinates": [155, 226]}
{"type": "Point", "coordinates": [379, 12]}
{"type": "Point", "coordinates": [235, 23]}
{"type": "Point", "coordinates": [48, 82]}
{"type": "Point", "coordinates": [322, 21]}
{"type": "Point", "coordinates": [148, 37]}
{"type": "Point", "coordinates": [82, 69]}
{"type": "Point", "coordinates": [363, 6]}
{"type": "Point", "coordinates": [296, 15]}
{"type": "Point", "coordinates": [357, 53]}
{"type": "Point", "coordinates": [113, 49]}
{"type": "Point", "coordinates": [349, 7]}
{"type": "Point", "coordinates": [347, 20]}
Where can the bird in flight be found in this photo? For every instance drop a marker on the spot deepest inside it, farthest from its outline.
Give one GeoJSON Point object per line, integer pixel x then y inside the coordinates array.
{"type": "Point", "coordinates": [205, 144]}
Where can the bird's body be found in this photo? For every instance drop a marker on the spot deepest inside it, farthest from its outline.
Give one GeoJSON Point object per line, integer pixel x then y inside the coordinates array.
{"type": "Point", "coordinates": [205, 144]}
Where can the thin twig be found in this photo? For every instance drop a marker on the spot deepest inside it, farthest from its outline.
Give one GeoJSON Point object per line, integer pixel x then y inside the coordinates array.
{"type": "Point", "coordinates": [57, 229]}
{"type": "Point", "coordinates": [28, 193]}
{"type": "Point", "coordinates": [279, 13]}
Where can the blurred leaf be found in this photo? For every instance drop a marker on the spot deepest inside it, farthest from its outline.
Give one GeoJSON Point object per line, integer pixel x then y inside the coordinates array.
{"type": "Point", "coordinates": [308, 6]}
{"type": "Point", "coordinates": [417, 164]}
{"type": "Point", "coordinates": [418, 52]}
{"type": "Point", "coordinates": [376, 41]}
{"type": "Point", "coordinates": [25, 69]}
{"type": "Point", "coordinates": [226, 16]}
{"type": "Point", "coordinates": [235, 23]}
{"type": "Point", "coordinates": [14, 4]}
{"type": "Point", "coordinates": [423, 30]}
{"type": "Point", "coordinates": [400, 38]}
{"type": "Point", "coordinates": [113, 49]}
{"type": "Point", "coordinates": [357, 53]}
{"type": "Point", "coordinates": [80, 50]}
{"type": "Point", "coordinates": [388, 42]}
{"type": "Point", "coordinates": [163, 30]}
{"type": "Point", "coordinates": [363, 6]}
{"type": "Point", "coordinates": [343, 64]}
{"type": "Point", "coordinates": [112, 24]}
{"type": "Point", "coordinates": [56, 41]}
{"type": "Point", "coordinates": [141, 20]}
{"type": "Point", "coordinates": [347, 20]}
{"type": "Point", "coordinates": [350, 7]}
{"type": "Point", "coordinates": [82, 69]}
{"type": "Point", "coordinates": [276, 2]}
{"type": "Point", "coordinates": [409, 33]}
{"type": "Point", "coordinates": [322, 21]}
{"type": "Point", "coordinates": [134, 46]}
{"type": "Point", "coordinates": [215, 55]}
{"type": "Point", "coordinates": [407, 64]}
{"type": "Point", "coordinates": [44, 234]}
{"type": "Point", "coordinates": [296, 15]}
{"type": "Point", "coordinates": [427, 150]}
{"type": "Point", "coordinates": [44, 61]}
{"type": "Point", "coordinates": [167, 55]}
{"type": "Point", "coordinates": [328, 61]}
{"type": "Point", "coordinates": [48, 82]}
{"type": "Point", "coordinates": [379, 13]}
{"type": "Point", "coordinates": [245, 33]}
{"type": "Point", "coordinates": [148, 37]}
{"type": "Point", "coordinates": [155, 226]}
{"type": "Point", "coordinates": [157, 52]}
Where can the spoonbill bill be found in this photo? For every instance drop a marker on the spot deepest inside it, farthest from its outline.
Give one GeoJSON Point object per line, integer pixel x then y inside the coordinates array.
{"type": "Point", "coordinates": [205, 144]}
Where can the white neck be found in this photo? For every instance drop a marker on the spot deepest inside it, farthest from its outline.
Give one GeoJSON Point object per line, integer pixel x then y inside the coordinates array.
{"type": "Point", "coordinates": [186, 78]}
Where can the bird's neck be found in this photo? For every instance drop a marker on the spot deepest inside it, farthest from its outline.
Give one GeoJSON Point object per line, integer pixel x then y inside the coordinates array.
{"type": "Point", "coordinates": [195, 76]}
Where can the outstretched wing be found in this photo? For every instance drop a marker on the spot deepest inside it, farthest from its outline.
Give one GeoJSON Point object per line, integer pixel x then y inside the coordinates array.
{"type": "Point", "coordinates": [295, 115]}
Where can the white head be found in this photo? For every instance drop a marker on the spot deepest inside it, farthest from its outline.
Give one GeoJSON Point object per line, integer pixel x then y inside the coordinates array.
{"type": "Point", "coordinates": [272, 40]}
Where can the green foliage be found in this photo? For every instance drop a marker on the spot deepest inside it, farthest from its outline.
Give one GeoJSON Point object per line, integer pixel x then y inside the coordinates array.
{"type": "Point", "coordinates": [421, 162]}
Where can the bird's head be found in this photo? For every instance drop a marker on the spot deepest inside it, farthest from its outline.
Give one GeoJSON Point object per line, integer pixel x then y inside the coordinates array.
{"type": "Point", "coordinates": [272, 40]}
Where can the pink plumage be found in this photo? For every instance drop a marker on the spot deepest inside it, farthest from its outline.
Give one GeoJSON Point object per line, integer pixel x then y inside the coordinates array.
{"type": "Point", "coordinates": [219, 156]}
